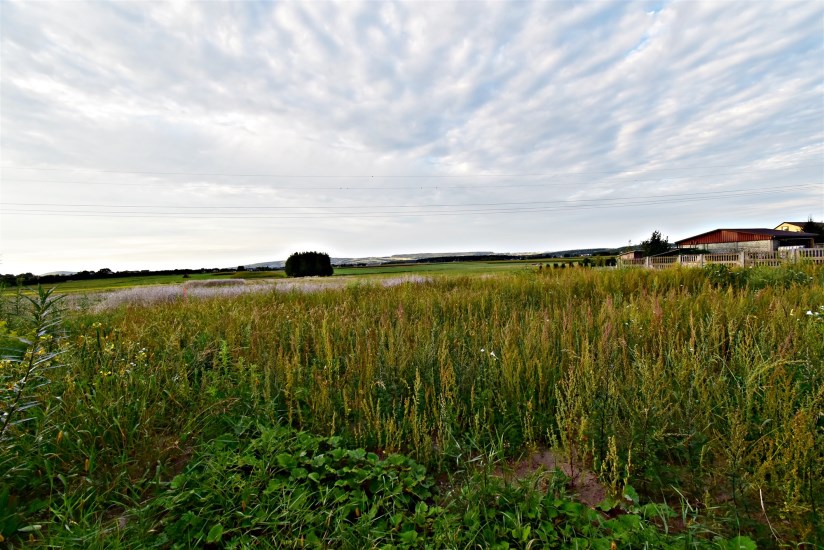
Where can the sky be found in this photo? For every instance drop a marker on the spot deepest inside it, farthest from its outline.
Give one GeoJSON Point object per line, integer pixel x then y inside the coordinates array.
{"type": "Point", "coordinates": [151, 135]}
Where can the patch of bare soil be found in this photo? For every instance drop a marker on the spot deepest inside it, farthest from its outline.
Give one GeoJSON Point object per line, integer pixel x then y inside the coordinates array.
{"type": "Point", "coordinates": [584, 484]}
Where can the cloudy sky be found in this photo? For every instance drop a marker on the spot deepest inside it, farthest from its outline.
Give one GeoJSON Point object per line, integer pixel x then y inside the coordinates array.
{"type": "Point", "coordinates": [146, 135]}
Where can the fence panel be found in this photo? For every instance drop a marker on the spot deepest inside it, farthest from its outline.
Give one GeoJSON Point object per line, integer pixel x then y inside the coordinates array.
{"type": "Point", "coordinates": [632, 262]}
{"type": "Point", "coordinates": [742, 259]}
{"type": "Point", "coordinates": [724, 259]}
{"type": "Point", "coordinates": [815, 255]}
{"type": "Point", "coordinates": [773, 259]}
{"type": "Point", "coordinates": [663, 262]}
{"type": "Point", "coordinates": [692, 260]}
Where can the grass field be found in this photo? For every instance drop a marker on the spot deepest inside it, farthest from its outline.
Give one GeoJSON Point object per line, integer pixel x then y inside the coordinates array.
{"type": "Point", "coordinates": [371, 415]}
{"type": "Point", "coordinates": [98, 285]}
{"type": "Point", "coordinates": [464, 268]}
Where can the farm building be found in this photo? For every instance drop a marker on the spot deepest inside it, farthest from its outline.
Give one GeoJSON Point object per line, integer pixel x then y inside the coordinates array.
{"type": "Point", "coordinates": [631, 255]}
{"type": "Point", "coordinates": [791, 226]}
{"type": "Point", "coordinates": [750, 240]}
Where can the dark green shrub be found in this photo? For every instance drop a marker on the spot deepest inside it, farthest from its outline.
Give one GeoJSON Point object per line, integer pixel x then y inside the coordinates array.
{"type": "Point", "coordinates": [309, 264]}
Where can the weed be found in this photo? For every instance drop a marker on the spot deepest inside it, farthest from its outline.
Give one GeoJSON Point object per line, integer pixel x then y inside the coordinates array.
{"type": "Point", "coordinates": [664, 381]}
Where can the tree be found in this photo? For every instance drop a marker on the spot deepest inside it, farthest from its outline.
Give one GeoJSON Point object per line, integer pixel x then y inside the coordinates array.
{"type": "Point", "coordinates": [814, 227]}
{"type": "Point", "coordinates": [309, 264]}
{"type": "Point", "coordinates": [655, 244]}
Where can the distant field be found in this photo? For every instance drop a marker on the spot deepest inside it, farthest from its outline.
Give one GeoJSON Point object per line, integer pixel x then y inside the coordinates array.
{"type": "Point", "coordinates": [457, 268]}
{"type": "Point", "coordinates": [95, 285]}
{"type": "Point", "coordinates": [444, 267]}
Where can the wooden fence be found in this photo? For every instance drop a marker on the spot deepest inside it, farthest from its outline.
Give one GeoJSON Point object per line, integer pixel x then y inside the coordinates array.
{"type": "Point", "coordinates": [739, 259]}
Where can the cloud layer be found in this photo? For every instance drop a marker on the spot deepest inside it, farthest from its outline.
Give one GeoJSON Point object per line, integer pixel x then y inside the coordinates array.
{"type": "Point", "coordinates": [186, 134]}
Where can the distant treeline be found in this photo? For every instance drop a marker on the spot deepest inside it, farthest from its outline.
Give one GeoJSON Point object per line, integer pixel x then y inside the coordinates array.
{"type": "Point", "coordinates": [500, 257]}
{"type": "Point", "coordinates": [487, 258]}
{"type": "Point", "coordinates": [27, 279]}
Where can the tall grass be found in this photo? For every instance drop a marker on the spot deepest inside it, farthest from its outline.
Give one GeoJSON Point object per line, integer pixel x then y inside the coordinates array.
{"type": "Point", "coordinates": [671, 381]}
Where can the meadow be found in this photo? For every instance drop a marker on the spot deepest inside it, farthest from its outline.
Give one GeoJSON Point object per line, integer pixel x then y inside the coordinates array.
{"type": "Point", "coordinates": [388, 415]}
{"type": "Point", "coordinates": [114, 283]}
{"type": "Point", "coordinates": [464, 268]}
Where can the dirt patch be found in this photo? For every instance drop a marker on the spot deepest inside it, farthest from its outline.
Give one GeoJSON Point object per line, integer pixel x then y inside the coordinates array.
{"type": "Point", "coordinates": [584, 484]}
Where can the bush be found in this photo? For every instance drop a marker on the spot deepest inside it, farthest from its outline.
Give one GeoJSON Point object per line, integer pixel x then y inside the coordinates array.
{"type": "Point", "coordinates": [309, 264]}
{"type": "Point", "coordinates": [756, 277]}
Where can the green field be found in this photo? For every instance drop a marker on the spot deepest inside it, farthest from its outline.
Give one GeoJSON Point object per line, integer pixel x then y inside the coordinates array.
{"type": "Point", "coordinates": [465, 268]}
{"type": "Point", "coordinates": [114, 283]}
{"type": "Point", "coordinates": [375, 415]}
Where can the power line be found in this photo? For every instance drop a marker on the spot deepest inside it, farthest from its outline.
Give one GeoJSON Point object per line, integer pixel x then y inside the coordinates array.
{"type": "Point", "coordinates": [709, 194]}
{"type": "Point", "coordinates": [397, 176]}
{"type": "Point", "coordinates": [376, 214]}
{"type": "Point", "coordinates": [380, 188]}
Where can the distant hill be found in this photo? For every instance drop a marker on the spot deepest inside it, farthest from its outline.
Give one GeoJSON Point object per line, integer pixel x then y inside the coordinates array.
{"type": "Point", "coordinates": [373, 260]}
{"type": "Point", "coordinates": [439, 256]}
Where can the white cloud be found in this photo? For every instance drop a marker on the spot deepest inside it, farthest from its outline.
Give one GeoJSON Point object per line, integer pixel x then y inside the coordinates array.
{"type": "Point", "coordinates": [598, 100]}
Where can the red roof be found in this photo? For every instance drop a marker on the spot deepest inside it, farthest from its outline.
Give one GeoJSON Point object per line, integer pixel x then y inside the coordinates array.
{"type": "Point", "coordinates": [742, 235]}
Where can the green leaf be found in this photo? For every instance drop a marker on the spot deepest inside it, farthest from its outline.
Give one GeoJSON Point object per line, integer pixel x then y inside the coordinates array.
{"type": "Point", "coordinates": [740, 543]}
{"type": "Point", "coordinates": [274, 485]}
{"type": "Point", "coordinates": [215, 533]}
{"type": "Point", "coordinates": [177, 482]}
{"type": "Point", "coordinates": [607, 504]}
{"type": "Point", "coordinates": [630, 494]}
{"type": "Point", "coordinates": [357, 454]}
{"type": "Point", "coordinates": [286, 461]}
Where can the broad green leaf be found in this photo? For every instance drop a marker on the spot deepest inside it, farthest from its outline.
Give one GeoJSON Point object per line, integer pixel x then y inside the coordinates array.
{"type": "Point", "coordinates": [286, 461]}
{"type": "Point", "coordinates": [630, 494]}
{"type": "Point", "coordinates": [215, 533]}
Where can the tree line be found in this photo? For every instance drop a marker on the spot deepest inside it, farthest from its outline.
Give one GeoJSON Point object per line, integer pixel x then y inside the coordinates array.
{"type": "Point", "coordinates": [28, 279]}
